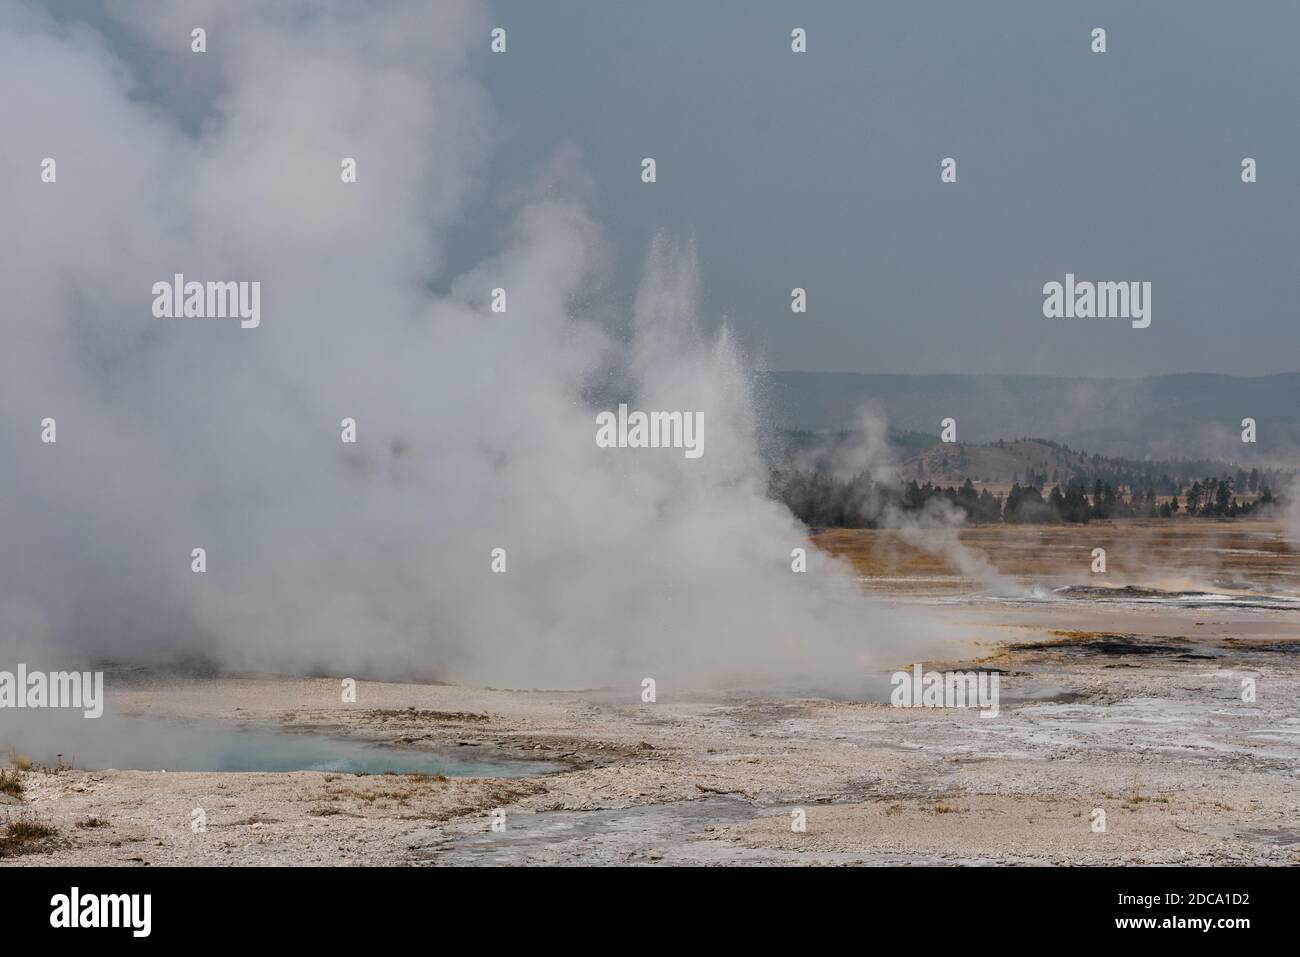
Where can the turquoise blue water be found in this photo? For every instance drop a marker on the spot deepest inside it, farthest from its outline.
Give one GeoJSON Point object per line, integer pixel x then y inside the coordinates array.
{"type": "Point", "coordinates": [143, 744]}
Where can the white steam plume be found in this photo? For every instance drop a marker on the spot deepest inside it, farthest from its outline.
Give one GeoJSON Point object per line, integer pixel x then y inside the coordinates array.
{"type": "Point", "coordinates": [475, 430]}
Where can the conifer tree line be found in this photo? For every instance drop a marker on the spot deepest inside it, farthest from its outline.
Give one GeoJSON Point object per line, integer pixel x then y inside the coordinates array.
{"type": "Point", "coordinates": [860, 502]}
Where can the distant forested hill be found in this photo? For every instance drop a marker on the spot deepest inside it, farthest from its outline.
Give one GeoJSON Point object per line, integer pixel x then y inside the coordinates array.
{"type": "Point", "coordinates": [1190, 416]}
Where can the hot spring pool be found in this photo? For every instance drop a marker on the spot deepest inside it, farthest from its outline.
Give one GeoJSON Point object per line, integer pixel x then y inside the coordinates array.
{"type": "Point", "coordinates": [147, 744]}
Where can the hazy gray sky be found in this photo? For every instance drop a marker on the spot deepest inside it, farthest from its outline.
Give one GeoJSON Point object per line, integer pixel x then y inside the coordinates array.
{"type": "Point", "coordinates": [821, 170]}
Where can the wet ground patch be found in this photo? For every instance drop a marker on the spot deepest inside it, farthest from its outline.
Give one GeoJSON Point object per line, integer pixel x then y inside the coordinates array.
{"type": "Point", "coordinates": [1116, 645]}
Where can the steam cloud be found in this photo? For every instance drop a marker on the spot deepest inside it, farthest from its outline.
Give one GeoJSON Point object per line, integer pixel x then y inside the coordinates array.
{"type": "Point", "coordinates": [1291, 514]}
{"type": "Point", "coordinates": [475, 430]}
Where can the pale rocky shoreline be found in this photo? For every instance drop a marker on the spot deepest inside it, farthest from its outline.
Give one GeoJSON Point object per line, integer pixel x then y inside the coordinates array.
{"type": "Point", "coordinates": [1186, 772]}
